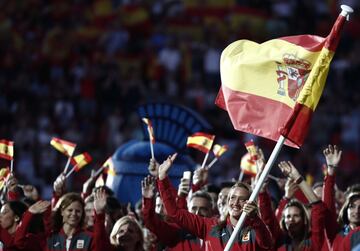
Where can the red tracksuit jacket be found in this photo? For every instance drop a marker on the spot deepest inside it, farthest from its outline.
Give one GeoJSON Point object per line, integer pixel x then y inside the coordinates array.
{"type": "Point", "coordinates": [167, 233]}
{"type": "Point", "coordinates": [351, 241]}
{"type": "Point", "coordinates": [254, 236]}
{"type": "Point", "coordinates": [81, 240]}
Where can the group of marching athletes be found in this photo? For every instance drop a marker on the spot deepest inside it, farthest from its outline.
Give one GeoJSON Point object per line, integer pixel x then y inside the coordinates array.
{"type": "Point", "coordinates": [193, 217]}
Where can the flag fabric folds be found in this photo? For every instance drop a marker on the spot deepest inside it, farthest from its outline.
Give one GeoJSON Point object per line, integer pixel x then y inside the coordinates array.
{"type": "Point", "coordinates": [81, 160]}
{"type": "Point", "coordinates": [273, 88]}
{"type": "Point", "coordinates": [6, 149]}
{"type": "Point", "coordinates": [201, 141]}
{"type": "Point", "coordinates": [63, 146]}
{"type": "Point", "coordinates": [219, 150]}
{"type": "Point", "coordinates": [150, 129]}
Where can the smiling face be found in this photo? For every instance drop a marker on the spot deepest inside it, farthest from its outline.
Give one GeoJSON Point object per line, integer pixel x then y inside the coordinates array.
{"type": "Point", "coordinates": [7, 217]}
{"type": "Point", "coordinates": [236, 200]}
{"type": "Point", "coordinates": [353, 212]}
{"type": "Point", "coordinates": [222, 200]}
{"type": "Point", "coordinates": [72, 214]}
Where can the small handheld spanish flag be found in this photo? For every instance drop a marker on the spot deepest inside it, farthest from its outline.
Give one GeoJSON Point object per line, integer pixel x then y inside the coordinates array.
{"type": "Point", "coordinates": [151, 135]}
{"type": "Point", "coordinates": [63, 146]}
{"type": "Point", "coordinates": [247, 165]}
{"type": "Point", "coordinates": [219, 150]}
{"type": "Point", "coordinates": [109, 167]}
{"type": "Point", "coordinates": [6, 149]}
{"type": "Point", "coordinates": [81, 160]}
{"type": "Point", "coordinates": [201, 141]}
{"type": "Point", "coordinates": [150, 129]}
{"type": "Point", "coordinates": [251, 148]}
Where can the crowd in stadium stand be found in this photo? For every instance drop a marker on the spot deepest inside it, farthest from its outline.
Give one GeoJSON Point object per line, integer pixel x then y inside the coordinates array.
{"type": "Point", "coordinates": [78, 70]}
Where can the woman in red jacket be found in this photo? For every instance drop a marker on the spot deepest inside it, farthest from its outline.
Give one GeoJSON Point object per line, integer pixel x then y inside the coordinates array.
{"type": "Point", "coordinates": [10, 217]}
{"type": "Point", "coordinates": [67, 232]}
{"type": "Point", "coordinates": [253, 236]}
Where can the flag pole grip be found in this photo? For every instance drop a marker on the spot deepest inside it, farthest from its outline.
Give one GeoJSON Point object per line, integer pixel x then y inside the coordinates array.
{"type": "Point", "coordinates": [256, 190]}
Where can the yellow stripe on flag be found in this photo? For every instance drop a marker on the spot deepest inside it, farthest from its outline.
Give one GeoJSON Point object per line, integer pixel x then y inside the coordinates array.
{"type": "Point", "coordinates": [81, 160]}
{"type": "Point", "coordinates": [6, 149]}
{"type": "Point", "coordinates": [201, 141]}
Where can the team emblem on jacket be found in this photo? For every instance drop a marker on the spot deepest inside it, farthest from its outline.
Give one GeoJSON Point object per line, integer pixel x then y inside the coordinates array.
{"type": "Point", "coordinates": [80, 244]}
{"type": "Point", "coordinates": [246, 237]}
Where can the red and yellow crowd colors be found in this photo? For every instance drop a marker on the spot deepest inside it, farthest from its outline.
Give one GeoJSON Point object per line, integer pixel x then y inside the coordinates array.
{"type": "Point", "coordinates": [6, 149]}
{"type": "Point", "coordinates": [63, 146]}
{"type": "Point", "coordinates": [201, 141]}
{"type": "Point", "coordinates": [273, 88]}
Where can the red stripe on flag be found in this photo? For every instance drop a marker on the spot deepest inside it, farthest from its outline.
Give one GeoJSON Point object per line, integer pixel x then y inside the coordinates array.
{"type": "Point", "coordinates": [273, 115]}
{"type": "Point", "coordinates": [309, 42]}
{"type": "Point", "coordinates": [199, 147]}
{"type": "Point", "coordinates": [298, 124]}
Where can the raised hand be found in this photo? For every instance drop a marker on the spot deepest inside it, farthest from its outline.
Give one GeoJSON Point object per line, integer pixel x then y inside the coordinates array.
{"type": "Point", "coordinates": [90, 183]}
{"type": "Point", "coordinates": [39, 207]}
{"type": "Point", "coordinates": [99, 201]}
{"type": "Point", "coordinates": [332, 155]}
{"type": "Point", "coordinates": [200, 176]}
{"type": "Point", "coordinates": [11, 183]}
{"type": "Point", "coordinates": [148, 187]}
{"type": "Point", "coordinates": [153, 167]}
{"type": "Point", "coordinates": [290, 188]}
{"type": "Point", "coordinates": [289, 170]}
{"type": "Point", "coordinates": [165, 166]}
{"type": "Point", "coordinates": [59, 185]}
{"type": "Point", "coordinates": [250, 208]}
{"type": "Point", "coordinates": [30, 192]}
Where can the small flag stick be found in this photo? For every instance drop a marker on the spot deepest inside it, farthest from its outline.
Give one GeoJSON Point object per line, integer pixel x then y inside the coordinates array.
{"type": "Point", "coordinates": [212, 162]}
{"type": "Point", "coordinates": [151, 148]}
{"type": "Point", "coordinates": [12, 166]}
{"type": "Point", "coordinates": [205, 159]}
{"type": "Point", "coordinates": [71, 171]}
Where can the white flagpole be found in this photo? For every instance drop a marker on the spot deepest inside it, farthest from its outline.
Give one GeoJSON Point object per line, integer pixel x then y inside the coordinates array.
{"type": "Point", "coordinates": [71, 171]}
{"type": "Point", "coordinates": [151, 147]}
{"type": "Point", "coordinates": [205, 159]}
{"type": "Point", "coordinates": [212, 162]}
{"type": "Point", "coordinates": [256, 190]}
{"type": "Point", "coordinates": [12, 165]}
{"type": "Point", "coordinates": [241, 175]}
{"type": "Point", "coordinates": [68, 162]}
{"type": "Point", "coordinates": [98, 171]}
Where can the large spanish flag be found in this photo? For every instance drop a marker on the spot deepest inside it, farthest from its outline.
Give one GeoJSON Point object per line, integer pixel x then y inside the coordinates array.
{"type": "Point", "coordinates": [273, 88]}
{"type": "Point", "coordinates": [6, 149]}
{"type": "Point", "coordinates": [66, 147]}
{"type": "Point", "coordinates": [201, 141]}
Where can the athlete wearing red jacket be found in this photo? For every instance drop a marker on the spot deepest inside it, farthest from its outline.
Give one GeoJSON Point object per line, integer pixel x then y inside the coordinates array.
{"type": "Point", "coordinates": [79, 238]}
{"type": "Point", "coordinates": [254, 235]}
